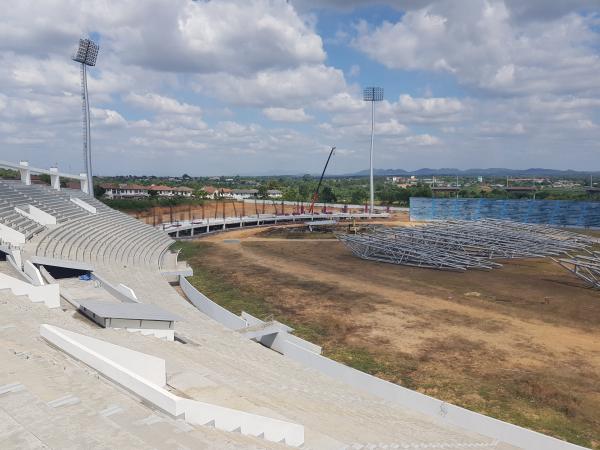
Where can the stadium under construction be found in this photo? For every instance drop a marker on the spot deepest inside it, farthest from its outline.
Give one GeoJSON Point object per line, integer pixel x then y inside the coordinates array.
{"type": "Point", "coordinates": [94, 336]}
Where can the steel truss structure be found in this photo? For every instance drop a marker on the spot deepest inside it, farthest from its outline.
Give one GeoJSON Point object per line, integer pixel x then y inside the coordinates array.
{"type": "Point", "coordinates": [586, 267]}
{"type": "Point", "coordinates": [460, 245]}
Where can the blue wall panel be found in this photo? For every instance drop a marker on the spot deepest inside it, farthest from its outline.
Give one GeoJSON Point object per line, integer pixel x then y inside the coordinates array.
{"type": "Point", "coordinates": [553, 212]}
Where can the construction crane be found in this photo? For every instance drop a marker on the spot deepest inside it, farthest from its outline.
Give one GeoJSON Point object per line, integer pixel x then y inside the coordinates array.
{"type": "Point", "coordinates": [316, 194]}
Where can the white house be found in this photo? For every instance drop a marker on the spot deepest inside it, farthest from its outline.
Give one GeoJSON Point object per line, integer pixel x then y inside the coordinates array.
{"type": "Point", "coordinates": [114, 190]}
{"type": "Point", "coordinates": [240, 194]}
{"type": "Point", "coordinates": [274, 193]}
{"type": "Point", "coordinates": [138, 191]}
{"type": "Point", "coordinates": [213, 192]}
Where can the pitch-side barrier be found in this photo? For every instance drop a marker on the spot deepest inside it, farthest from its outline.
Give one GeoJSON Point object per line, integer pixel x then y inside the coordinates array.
{"type": "Point", "coordinates": [190, 228]}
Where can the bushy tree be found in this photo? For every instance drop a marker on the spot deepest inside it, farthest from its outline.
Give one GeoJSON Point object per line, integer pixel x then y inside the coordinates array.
{"type": "Point", "coordinates": [262, 191]}
{"type": "Point", "coordinates": [358, 196]}
{"type": "Point", "coordinates": [99, 191]}
{"type": "Point", "coordinates": [327, 195]}
{"type": "Point", "coordinates": [291, 194]}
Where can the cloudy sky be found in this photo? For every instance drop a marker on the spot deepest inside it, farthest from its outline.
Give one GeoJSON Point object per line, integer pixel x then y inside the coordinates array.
{"type": "Point", "coordinates": [266, 86]}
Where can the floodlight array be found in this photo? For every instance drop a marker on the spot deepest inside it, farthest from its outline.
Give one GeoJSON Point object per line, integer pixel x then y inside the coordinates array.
{"type": "Point", "coordinates": [586, 267]}
{"type": "Point", "coordinates": [373, 94]}
{"type": "Point", "coordinates": [87, 53]}
{"type": "Point", "coordinates": [462, 245]}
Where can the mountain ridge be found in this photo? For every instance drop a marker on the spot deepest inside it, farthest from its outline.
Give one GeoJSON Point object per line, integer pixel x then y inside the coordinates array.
{"type": "Point", "coordinates": [492, 171]}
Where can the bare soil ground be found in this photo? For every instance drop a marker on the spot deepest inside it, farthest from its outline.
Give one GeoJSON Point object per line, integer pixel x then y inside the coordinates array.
{"type": "Point", "coordinates": [521, 343]}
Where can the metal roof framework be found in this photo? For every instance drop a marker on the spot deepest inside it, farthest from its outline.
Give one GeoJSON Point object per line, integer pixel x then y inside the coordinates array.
{"type": "Point", "coordinates": [462, 245]}
{"type": "Point", "coordinates": [586, 267]}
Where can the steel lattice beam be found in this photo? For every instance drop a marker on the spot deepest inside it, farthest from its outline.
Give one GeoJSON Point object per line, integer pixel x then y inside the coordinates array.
{"type": "Point", "coordinates": [462, 245]}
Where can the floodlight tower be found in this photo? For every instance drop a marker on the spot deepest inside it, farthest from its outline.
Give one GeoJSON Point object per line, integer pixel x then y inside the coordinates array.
{"type": "Point", "coordinates": [86, 55]}
{"type": "Point", "coordinates": [372, 94]}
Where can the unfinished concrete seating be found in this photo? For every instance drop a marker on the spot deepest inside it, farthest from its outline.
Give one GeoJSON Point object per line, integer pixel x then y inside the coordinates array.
{"type": "Point", "coordinates": [107, 237]}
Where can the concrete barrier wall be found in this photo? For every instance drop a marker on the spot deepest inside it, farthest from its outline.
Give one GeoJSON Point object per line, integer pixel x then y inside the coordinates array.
{"type": "Point", "coordinates": [73, 344]}
{"type": "Point", "coordinates": [127, 292]}
{"type": "Point", "coordinates": [83, 205]}
{"type": "Point", "coordinates": [285, 342]}
{"type": "Point", "coordinates": [125, 295]}
{"type": "Point", "coordinates": [37, 215]}
{"type": "Point", "coordinates": [145, 376]}
{"type": "Point", "coordinates": [275, 430]}
{"type": "Point", "coordinates": [210, 308]}
{"type": "Point", "coordinates": [33, 273]}
{"type": "Point", "coordinates": [15, 256]}
{"type": "Point", "coordinates": [48, 294]}
{"type": "Point", "coordinates": [11, 236]}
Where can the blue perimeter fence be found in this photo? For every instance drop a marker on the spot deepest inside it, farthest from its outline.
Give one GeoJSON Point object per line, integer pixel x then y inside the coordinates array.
{"type": "Point", "coordinates": [551, 212]}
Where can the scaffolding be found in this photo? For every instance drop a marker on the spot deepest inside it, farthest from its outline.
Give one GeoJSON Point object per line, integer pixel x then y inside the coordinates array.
{"type": "Point", "coordinates": [460, 245]}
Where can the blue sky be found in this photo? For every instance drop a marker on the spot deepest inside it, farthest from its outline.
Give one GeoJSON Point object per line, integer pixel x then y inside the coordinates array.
{"type": "Point", "coordinates": [266, 86]}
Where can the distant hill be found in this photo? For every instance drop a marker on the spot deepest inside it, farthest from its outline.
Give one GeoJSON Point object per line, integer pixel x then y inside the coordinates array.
{"type": "Point", "coordinates": [493, 171]}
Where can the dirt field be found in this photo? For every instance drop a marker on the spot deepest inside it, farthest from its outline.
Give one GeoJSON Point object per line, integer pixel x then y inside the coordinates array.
{"type": "Point", "coordinates": [521, 343]}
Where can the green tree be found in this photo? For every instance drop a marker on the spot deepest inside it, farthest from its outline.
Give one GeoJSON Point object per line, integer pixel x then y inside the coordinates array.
{"type": "Point", "coordinates": [291, 194]}
{"type": "Point", "coordinates": [200, 193]}
{"type": "Point", "coordinates": [358, 196]}
{"type": "Point", "coordinates": [99, 191]}
{"type": "Point", "coordinates": [327, 195]}
{"type": "Point", "coordinates": [305, 191]}
{"type": "Point", "coordinates": [45, 178]}
{"type": "Point", "coordinates": [262, 191]}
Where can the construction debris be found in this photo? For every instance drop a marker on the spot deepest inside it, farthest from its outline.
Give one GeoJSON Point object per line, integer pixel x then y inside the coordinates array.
{"type": "Point", "coordinates": [586, 267]}
{"type": "Point", "coordinates": [461, 244]}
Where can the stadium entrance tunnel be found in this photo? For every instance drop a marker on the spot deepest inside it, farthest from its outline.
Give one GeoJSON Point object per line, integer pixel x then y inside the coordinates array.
{"type": "Point", "coordinates": [58, 272]}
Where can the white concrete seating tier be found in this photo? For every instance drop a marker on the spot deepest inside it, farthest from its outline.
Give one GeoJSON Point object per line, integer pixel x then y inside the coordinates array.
{"type": "Point", "coordinates": [49, 400]}
{"type": "Point", "coordinates": [10, 199]}
{"type": "Point", "coordinates": [106, 237]}
{"type": "Point", "coordinates": [53, 202]}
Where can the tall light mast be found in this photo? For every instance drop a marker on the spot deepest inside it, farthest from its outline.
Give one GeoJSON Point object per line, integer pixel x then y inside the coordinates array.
{"type": "Point", "coordinates": [86, 55]}
{"type": "Point", "coordinates": [372, 94]}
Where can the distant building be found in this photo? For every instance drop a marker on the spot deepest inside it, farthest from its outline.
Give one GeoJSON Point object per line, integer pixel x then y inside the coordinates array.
{"type": "Point", "coordinates": [213, 192]}
{"type": "Point", "coordinates": [274, 193]}
{"type": "Point", "coordinates": [240, 194]}
{"type": "Point", "coordinates": [168, 191]}
{"type": "Point", "coordinates": [114, 190]}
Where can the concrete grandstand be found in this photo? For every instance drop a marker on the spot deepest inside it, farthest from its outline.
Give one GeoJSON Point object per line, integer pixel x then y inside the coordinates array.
{"type": "Point", "coordinates": [220, 381]}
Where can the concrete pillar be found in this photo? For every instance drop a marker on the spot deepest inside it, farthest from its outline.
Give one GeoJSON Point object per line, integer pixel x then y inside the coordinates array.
{"type": "Point", "coordinates": [84, 183]}
{"type": "Point", "coordinates": [54, 179]}
{"type": "Point", "coordinates": [25, 172]}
